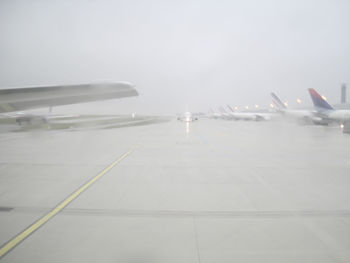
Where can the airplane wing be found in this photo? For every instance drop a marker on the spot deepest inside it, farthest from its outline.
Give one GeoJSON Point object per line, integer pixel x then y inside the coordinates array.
{"type": "Point", "coordinates": [18, 99]}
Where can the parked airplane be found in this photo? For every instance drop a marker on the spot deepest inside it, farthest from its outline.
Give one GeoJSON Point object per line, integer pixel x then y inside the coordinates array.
{"type": "Point", "coordinates": [249, 116]}
{"type": "Point", "coordinates": [224, 114]}
{"type": "Point", "coordinates": [213, 114]}
{"type": "Point", "coordinates": [328, 113]}
{"type": "Point", "coordinates": [302, 116]}
{"type": "Point", "coordinates": [19, 99]}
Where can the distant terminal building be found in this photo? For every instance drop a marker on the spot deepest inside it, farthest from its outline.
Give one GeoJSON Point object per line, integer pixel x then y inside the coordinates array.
{"type": "Point", "coordinates": [343, 104]}
{"type": "Point", "coordinates": [343, 93]}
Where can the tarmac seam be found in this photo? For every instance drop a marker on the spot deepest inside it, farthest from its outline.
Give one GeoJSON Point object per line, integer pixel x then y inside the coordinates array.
{"type": "Point", "coordinates": [196, 240]}
{"type": "Point", "coordinates": [186, 213]}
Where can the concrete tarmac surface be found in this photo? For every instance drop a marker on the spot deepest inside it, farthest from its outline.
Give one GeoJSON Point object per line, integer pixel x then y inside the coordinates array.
{"type": "Point", "coordinates": [209, 191]}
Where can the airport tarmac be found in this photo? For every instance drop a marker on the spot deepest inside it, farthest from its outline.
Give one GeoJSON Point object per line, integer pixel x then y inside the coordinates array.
{"type": "Point", "coordinates": [208, 191]}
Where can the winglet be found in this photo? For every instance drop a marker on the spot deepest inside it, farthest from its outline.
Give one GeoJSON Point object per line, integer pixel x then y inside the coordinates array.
{"type": "Point", "coordinates": [276, 100]}
{"type": "Point", "coordinates": [318, 101]}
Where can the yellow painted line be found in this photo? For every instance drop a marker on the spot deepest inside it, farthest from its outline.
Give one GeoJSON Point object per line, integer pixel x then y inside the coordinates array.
{"type": "Point", "coordinates": [21, 236]}
{"type": "Point", "coordinates": [7, 107]}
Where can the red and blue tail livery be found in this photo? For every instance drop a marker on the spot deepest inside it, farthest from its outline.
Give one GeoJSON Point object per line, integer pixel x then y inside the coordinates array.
{"type": "Point", "coordinates": [318, 101]}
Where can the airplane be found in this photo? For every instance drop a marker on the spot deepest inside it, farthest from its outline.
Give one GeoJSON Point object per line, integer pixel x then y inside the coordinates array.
{"type": "Point", "coordinates": [224, 114]}
{"type": "Point", "coordinates": [19, 99]}
{"type": "Point", "coordinates": [187, 117]}
{"type": "Point", "coordinates": [328, 113]}
{"type": "Point", "coordinates": [249, 116]}
{"type": "Point", "coordinates": [302, 116]}
{"type": "Point", "coordinates": [213, 114]}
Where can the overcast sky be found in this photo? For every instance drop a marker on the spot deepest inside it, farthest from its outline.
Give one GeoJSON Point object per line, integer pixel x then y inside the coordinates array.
{"type": "Point", "coordinates": [181, 55]}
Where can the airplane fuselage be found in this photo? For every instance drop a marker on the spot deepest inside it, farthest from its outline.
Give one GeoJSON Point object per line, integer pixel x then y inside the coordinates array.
{"type": "Point", "coordinates": [339, 115]}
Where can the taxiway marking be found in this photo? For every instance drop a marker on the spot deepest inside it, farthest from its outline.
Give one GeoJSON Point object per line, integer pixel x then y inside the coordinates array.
{"type": "Point", "coordinates": [11, 244]}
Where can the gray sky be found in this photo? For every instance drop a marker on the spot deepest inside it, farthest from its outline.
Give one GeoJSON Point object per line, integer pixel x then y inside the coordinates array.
{"type": "Point", "coordinates": [181, 55]}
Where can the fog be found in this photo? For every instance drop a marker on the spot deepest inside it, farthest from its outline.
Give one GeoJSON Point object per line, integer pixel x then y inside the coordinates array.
{"type": "Point", "coordinates": [181, 55]}
{"type": "Point", "coordinates": [124, 180]}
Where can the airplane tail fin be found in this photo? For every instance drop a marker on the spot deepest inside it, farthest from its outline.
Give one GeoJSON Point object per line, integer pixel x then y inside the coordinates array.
{"type": "Point", "coordinates": [318, 101]}
{"type": "Point", "coordinates": [278, 103]}
{"type": "Point", "coordinates": [228, 106]}
{"type": "Point", "coordinates": [222, 109]}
